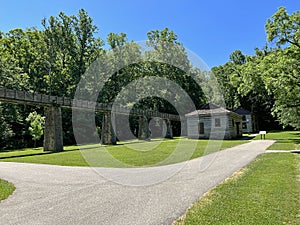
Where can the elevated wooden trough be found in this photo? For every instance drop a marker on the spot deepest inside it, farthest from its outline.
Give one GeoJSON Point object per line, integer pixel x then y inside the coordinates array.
{"type": "Point", "coordinates": [35, 99]}
{"type": "Point", "coordinates": [53, 125]}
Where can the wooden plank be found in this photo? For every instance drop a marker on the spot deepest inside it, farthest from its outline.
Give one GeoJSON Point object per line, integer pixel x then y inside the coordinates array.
{"type": "Point", "coordinates": [45, 98]}
{"type": "Point", "coordinates": [10, 94]}
{"type": "Point", "coordinates": [67, 102]}
{"type": "Point", "coordinates": [37, 98]}
{"type": "Point", "coordinates": [2, 92]}
{"type": "Point", "coordinates": [20, 95]}
{"type": "Point", "coordinates": [60, 100]}
{"type": "Point", "coordinates": [29, 96]}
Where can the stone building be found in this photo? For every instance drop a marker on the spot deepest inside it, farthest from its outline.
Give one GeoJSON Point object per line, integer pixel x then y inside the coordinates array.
{"type": "Point", "coordinates": [249, 123]}
{"type": "Point", "coordinates": [214, 122]}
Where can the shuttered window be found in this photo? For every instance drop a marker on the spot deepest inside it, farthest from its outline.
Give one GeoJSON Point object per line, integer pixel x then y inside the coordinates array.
{"type": "Point", "coordinates": [217, 122]}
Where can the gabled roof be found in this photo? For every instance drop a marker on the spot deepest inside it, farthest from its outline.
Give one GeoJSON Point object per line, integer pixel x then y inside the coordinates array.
{"type": "Point", "coordinates": [209, 109]}
{"type": "Point", "coordinates": [242, 111]}
{"type": "Point", "coordinates": [210, 106]}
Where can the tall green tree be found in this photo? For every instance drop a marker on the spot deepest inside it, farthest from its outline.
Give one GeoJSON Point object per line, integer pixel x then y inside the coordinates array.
{"type": "Point", "coordinates": [228, 76]}
{"type": "Point", "coordinates": [168, 58]}
{"type": "Point", "coordinates": [281, 68]}
{"type": "Point", "coordinates": [243, 85]}
{"type": "Point", "coordinates": [71, 47]}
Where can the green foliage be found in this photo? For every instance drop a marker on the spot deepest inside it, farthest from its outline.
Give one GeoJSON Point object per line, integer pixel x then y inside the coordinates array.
{"type": "Point", "coordinates": [237, 57]}
{"type": "Point", "coordinates": [281, 66]}
{"type": "Point", "coordinates": [36, 128]}
{"type": "Point", "coordinates": [13, 128]}
{"type": "Point", "coordinates": [284, 28]}
{"type": "Point", "coordinates": [229, 79]}
{"type": "Point", "coordinates": [48, 61]}
{"type": "Point", "coordinates": [268, 82]}
{"type": "Point", "coordinates": [71, 46]}
{"type": "Point", "coordinates": [5, 128]}
{"type": "Point", "coordinates": [154, 61]}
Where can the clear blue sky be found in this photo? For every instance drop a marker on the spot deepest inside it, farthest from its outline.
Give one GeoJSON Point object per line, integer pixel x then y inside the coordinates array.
{"type": "Point", "coordinates": [210, 28]}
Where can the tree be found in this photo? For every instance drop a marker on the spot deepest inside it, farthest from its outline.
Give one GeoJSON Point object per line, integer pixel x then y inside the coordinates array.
{"type": "Point", "coordinates": [237, 57]}
{"type": "Point", "coordinates": [116, 40]}
{"type": "Point", "coordinates": [228, 76]}
{"type": "Point", "coordinates": [71, 48]}
{"type": "Point", "coordinates": [281, 67]}
{"type": "Point", "coordinates": [6, 130]}
{"type": "Point", "coordinates": [168, 58]}
{"type": "Point", "coordinates": [243, 85]}
{"type": "Point", "coordinates": [284, 28]}
{"type": "Point", "coordinates": [36, 128]}
{"type": "Point", "coordinates": [268, 82]}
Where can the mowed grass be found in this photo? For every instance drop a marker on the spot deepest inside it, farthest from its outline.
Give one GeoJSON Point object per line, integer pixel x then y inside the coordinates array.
{"type": "Point", "coordinates": [264, 192]}
{"type": "Point", "coordinates": [285, 140]}
{"type": "Point", "coordinates": [6, 189]}
{"type": "Point", "coordinates": [126, 154]}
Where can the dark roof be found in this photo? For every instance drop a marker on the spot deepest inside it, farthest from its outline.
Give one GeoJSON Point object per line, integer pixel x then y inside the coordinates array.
{"type": "Point", "coordinates": [210, 106]}
{"type": "Point", "coordinates": [209, 109]}
{"type": "Point", "coordinates": [242, 111]}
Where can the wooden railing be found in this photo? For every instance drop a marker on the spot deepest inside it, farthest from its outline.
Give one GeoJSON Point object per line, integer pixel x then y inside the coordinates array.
{"type": "Point", "coordinates": [23, 97]}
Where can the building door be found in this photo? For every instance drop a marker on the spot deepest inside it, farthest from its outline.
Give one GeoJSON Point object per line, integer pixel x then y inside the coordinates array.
{"type": "Point", "coordinates": [237, 128]}
{"type": "Point", "coordinates": [201, 128]}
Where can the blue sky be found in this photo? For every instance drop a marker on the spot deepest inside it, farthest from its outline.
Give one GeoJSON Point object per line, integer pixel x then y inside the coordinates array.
{"type": "Point", "coordinates": [211, 28]}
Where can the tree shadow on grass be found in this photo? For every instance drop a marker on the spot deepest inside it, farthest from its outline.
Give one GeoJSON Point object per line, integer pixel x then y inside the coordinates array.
{"type": "Point", "coordinates": [297, 135]}
{"type": "Point", "coordinates": [33, 154]}
{"type": "Point", "coordinates": [288, 141]}
{"type": "Point", "coordinates": [245, 138]}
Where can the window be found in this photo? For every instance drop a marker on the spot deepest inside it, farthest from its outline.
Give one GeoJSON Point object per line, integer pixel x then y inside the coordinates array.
{"type": "Point", "coordinates": [233, 122]}
{"type": "Point", "coordinates": [217, 122]}
{"type": "Point", "coordinates": [201, 128]}
{"type": "Point", "coordinates": [244, 118]}
{"type": "Point", "coordinates": [244, 125]}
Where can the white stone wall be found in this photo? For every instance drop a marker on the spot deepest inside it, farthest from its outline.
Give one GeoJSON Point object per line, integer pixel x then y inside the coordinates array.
{"type": "Point", "coordinates": [210, 130]}
{"type": "Point", "coordinates": [248, 122]}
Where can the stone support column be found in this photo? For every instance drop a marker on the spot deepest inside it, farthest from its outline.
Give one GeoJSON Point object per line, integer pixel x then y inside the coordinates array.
{"type": "Point", "coordinates": [108, 136]}
{"type": "Point", "coordinates": [144, 132]}
{"type": "Point", "coordinates": [169, 131]}
{"type": "Point", "coordinates": [53, 133]}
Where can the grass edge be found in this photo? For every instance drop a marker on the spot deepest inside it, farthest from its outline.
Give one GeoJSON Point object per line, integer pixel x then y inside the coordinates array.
{"type": "Point", "coordinates": [9, 187]}
{"type": "Point", "coordinates": [206, 196]}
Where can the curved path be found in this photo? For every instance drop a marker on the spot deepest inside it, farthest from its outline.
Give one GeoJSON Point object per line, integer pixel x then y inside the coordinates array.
{"type": "Point", "coordinates": [48, 194]}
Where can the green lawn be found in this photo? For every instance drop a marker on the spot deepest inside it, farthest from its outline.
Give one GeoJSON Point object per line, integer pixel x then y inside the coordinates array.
{"type": "Point", "coordinates": [264, 192]}
{"type": "Point", "coordinates": [133, 154]}
{"type": "Point", "coordinates": [285, 140]}
{"type": "Point", "coordinates": [6, 189]}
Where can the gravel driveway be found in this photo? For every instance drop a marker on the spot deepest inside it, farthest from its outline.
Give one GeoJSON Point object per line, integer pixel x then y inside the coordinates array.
{"type": "Point", "coordinates": [48, 194]}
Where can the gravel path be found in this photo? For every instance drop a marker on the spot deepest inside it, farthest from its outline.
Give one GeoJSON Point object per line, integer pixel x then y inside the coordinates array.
{"type": "Point", "coordinates": [48, 194]}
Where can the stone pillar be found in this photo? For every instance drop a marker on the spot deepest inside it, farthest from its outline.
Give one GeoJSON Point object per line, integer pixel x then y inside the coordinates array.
{"type": "Point", "coordinates": [169, 131]}
{"type": "Point", "coordinates": [108, 136]}
{"type": "Point", "coordinates": [144, 132]}
{"type": "Point", "coordinates": [184, 127]}
{"type": "Point", "coordinates": [53, 133]}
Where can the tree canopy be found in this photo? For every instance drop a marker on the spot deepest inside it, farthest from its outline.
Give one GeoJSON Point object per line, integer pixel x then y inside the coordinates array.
{"type": "Point", "coordinates": [268, 82]}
